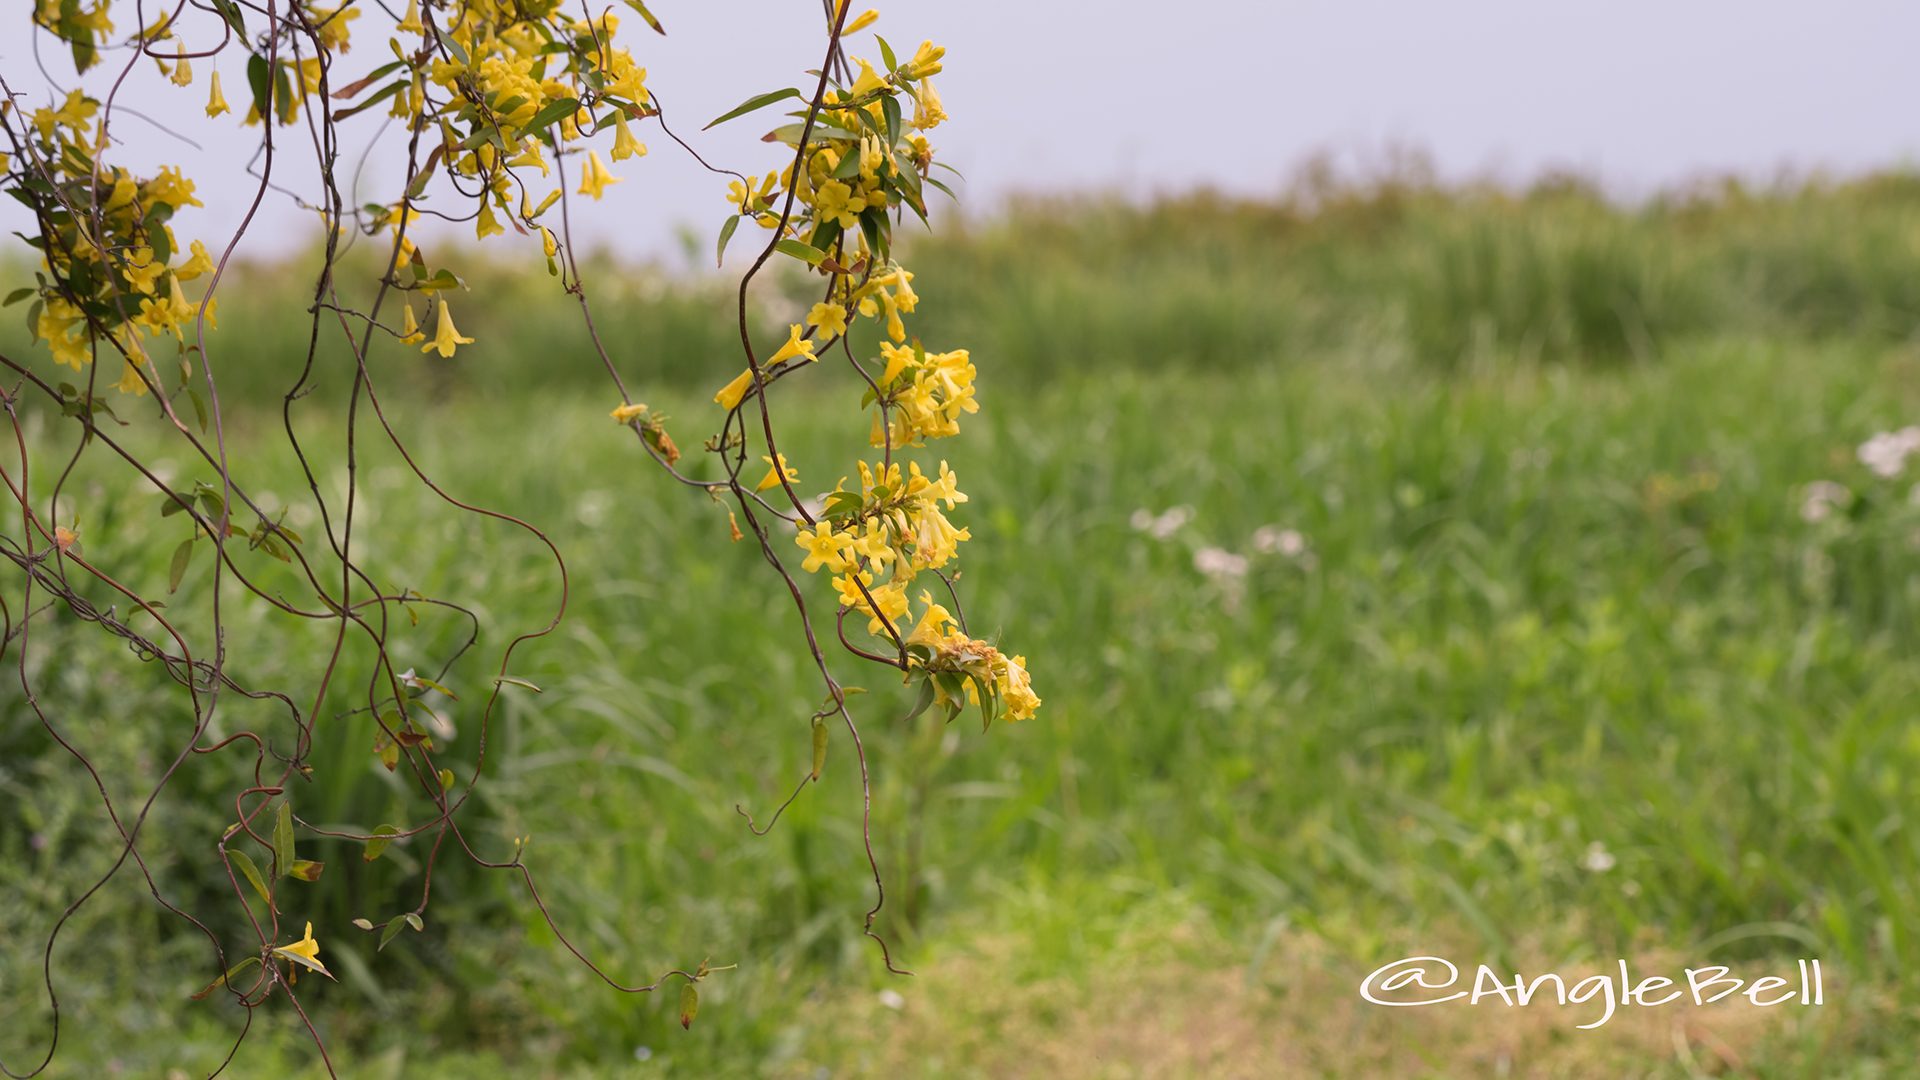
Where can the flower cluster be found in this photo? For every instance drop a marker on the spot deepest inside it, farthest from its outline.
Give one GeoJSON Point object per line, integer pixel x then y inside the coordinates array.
{"type": "Point", "coordinates": [110, 266]}
{"type": "Point", "coordinates": [876, 541]}
{"type": "Point", "coordinates": [860, 160]}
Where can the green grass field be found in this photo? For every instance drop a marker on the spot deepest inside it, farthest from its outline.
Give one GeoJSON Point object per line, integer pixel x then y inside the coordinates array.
{"type": "Point", "coordinates": [1556, 670]}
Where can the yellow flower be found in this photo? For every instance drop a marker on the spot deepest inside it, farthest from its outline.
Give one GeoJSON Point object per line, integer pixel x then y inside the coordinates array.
{"type": "Point", "coordinates": [305, 952]}
{"type": "Point", "coordinates": [936, 624]}
{"type": "Point", "coordinates": [486, 224]}
{"type": "Point", "coordinates": [123, 193]}
{"type": "Point", "coordinates": [824, 547]}
{"type": "Point", "coordinates": [445, 336]}
{"type": "Point", "coordinates": [775, 472]}
{"type": "Point", "coordinates": [1016, 689]}
{"type": "Point", "coordinates": [409, 327]}
{"type": "Point", "coordinates": [795, 346]}
{"type": "Point", "coordinates": [131, 381]}
{"type": "Point", "coordinates": [730, 394]}
{"type": "Point", "coordinates": [548, 243]}
{"type": "Point", "coordinates": [624, 144]}
{"type": "Point", "coordinates": [168, 186]}
{"type": "Point", "coordinates": [216, 101]}
{"type": "Point", "coordinates": [627, 414]}
{"type": "Point", "coordinates": [867, 83]}
{"type": "Point", "coordinates": [928, 113]}
{"type": "Point", "coordinates": [530, 155]}
{"type": "Point", "coordinates": [925, 62]}
{"type": "Point", "coordinates": [829, 319]}
{"type": "Point", "coordinates": [594, 178]}
{"type": "Point", "coordinates": [897, 358]}
{"type": "Point", "coordinates": [182, 71]}
{"type": "Point", "coordinates": [411, 23]}
{"type": "Point", "coordinates": [196, 266]}
{"type": "Point", "coordinates": [860, 22]}
{"type": "Point", "coordinates": [848, 586]}
{"type": "Point", "coordinates": [142, 269]}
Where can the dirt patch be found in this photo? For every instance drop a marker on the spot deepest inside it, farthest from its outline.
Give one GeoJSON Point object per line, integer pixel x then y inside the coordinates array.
{"type": "Point", "coordinates": [1158, 1012]}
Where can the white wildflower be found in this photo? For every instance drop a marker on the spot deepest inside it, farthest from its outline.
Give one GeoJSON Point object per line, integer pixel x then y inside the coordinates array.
{"type": "Point", "coordinates": [1886, 453]}
{"type": "Point", "coordinates": [1822, 498]}
{"type": "Point", "coordinates": [1220, 563]}
{"type": "Point", "coordinates": [1161, 526]}
{"type": "Point", "coordinates": [1274, 540]}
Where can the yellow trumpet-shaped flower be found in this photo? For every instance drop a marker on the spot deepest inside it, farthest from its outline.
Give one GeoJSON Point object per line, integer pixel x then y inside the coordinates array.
{"type": "Point", "coordinates": [627, 414]}
{"type": "Point", "coordinates": [795, 346]}
{"type": "Point", "coordinates": [594, 178]}
{"type": "Point", "coordinates": [216, 101]}
{"type": "Point", "coordinates": [869, 82]}
{"type": "Point", "coordinates": [486, 224]}
{"type": "Point", "coordinates": [411, 23]}
{"type": "Point", "coordinates": [730, 394]}
{"type": "Point", "coordinates": [925, 62]}
{"type": "Point", "coordinates": [445, 335]}
{"type": "Point", "coordinates": [927, 111]}
{"type": "Point", "coordinates": [860, 21]}
{"type": "Point", "coordinates": [305, 952]}
{"type": "Point", "coordinates": [624, 144]}
{"type": "Point", "coordinates": [409, 327]}
{"type": "Point", "coordinates": [182, 71]}
{"type": "Point", "coordinates": [824, 547]}
{"type": "Point", "coordinates": [829, 319]}
{"type": "Point", "coordinates": [775, 472]}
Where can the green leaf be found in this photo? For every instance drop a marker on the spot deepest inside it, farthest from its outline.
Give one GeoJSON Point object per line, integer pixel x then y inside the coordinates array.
{"type": "Point", "coordinates": [801, 250]}
{"type": "Point", "coordinates": [551, 113]}
{"type": "Point", "coordinates": [758, 101]}
{"type": "Point", "coordinates": [890, 109]}
{"type": "Point", "coordinates": [377, 844]}
{"type": "Point", "coordinates": [726, 234]}
{"type": "Point", "coordinates": [252, 873]}
{"type": "Point", "coordinates": [386, 92]}
{"type": "Point", "coordinates": [283, 839]}
{"type": "Point", "coordinates": [886, 54]}
{"type": "Point", "coordinates": [392, 931]}
{"type": "Point", "coordinates": [308, 870]}
{"type": "Point", "coordinates": [415, 922]}
{"type": "Point", "coordinates": [231, 12]}
{"type": "Point", "coordinates": [453, 47]}
{"type": "Point", "coordinates": [648, 16]}
{"type": "Point", "coordinates": [18, 295]}
{"type": "Point", "coordinates": [431, 685]}
{"type": "Point", "coordinates": [260, 78]}
{"type": "Point", "coordinates": [223, 980]}
{"type": "Point", "coordinates": [689, 1006]}
{"type": "Point", "coordinates": [364, 924]}
{"type": "Point", "coordinates": [199, 408]}
{"type": "Point", "coordinates": [511, 681]}
{"type": "Point", "coordinates": [284, 103]}
{"type": "Point", "coordinates": [942, 187]}
{"type": "Point", "coordinates": [819, 747]}
{"type": "Point", "coordinates": [873, 225]}
{"type": "Point", "coordinates": [182, 556]}
{"type": "Point", "coordinates": [921, 703]}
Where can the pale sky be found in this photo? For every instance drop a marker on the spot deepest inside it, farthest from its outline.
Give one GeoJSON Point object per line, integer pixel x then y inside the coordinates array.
{"type": "Point", "coordinates": [1142, 98]}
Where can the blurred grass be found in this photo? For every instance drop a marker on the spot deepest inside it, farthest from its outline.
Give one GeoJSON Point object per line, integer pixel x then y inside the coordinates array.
{"type": "Point", "coordinates": [1396, 269]}
{"type": "Point", "coordinates": [1556, 602]}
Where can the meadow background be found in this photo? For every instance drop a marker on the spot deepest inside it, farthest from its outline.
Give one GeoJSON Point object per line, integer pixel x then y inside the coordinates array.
{"type": "Point", "coordinates": [1406, 567]}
